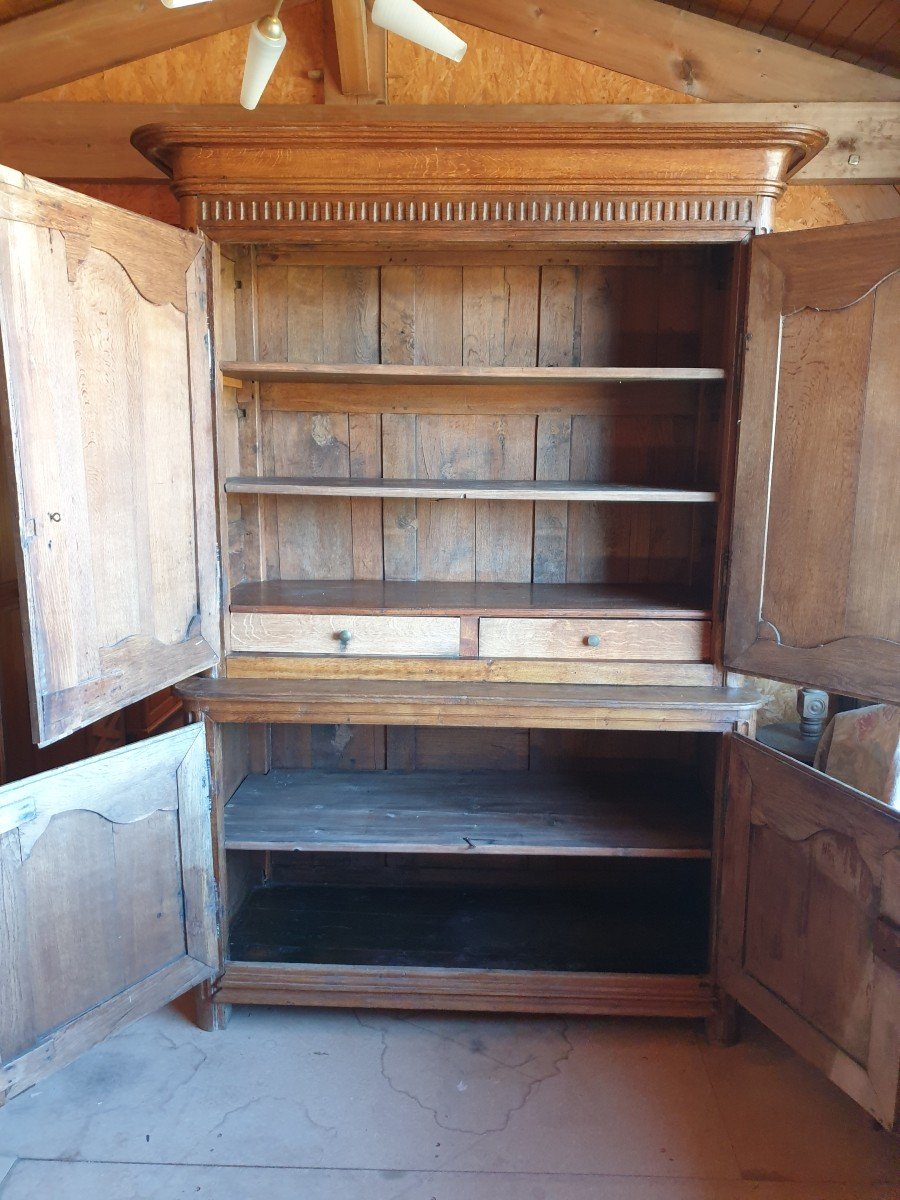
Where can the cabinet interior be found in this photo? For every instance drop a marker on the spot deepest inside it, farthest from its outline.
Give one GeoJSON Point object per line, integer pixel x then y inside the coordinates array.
{"type": "Point", "coordinates": [543, 849]}
{"type": "Point", "coordinates": [429, 380]}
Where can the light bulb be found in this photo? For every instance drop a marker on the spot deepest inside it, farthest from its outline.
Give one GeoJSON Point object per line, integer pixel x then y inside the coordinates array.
{"type": "Point", "coordinates": [265, 47]}
{"type": "Point", "coordinates": [409, 20]}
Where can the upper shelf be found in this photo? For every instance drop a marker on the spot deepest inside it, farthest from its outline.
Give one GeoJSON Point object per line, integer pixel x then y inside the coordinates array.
{"type": "Point", "coordinates": [468, 489]}
{"type": "Point", "coordinates": [293, 372]}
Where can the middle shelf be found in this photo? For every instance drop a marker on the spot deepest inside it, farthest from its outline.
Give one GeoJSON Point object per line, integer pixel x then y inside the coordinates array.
{"type": "Point", "coordinates": [467, 489]}
{"type": "Point", "coordinates": [470, 812]}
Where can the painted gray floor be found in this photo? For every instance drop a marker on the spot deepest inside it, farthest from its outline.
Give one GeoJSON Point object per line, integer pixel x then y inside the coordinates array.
{"type": "Point", "coordinates": [295, 1105]}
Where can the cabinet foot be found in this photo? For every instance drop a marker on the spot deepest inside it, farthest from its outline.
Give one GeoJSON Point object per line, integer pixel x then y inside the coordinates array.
{"type": "Point", "coordinates": [723, 1027]}
{"type": "Point", "coordinates": [208, 1014]}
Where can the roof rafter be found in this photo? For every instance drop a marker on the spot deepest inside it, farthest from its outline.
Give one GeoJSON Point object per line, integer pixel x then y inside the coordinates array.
{"type": "Point", "coordinates": [680, 50]}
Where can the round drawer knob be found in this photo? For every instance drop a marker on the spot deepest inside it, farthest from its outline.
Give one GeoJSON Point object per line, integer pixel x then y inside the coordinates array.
{"type": "Point", "coordinates": [592, 640]}
{"type": "Point", "coordinates": [344, 637]}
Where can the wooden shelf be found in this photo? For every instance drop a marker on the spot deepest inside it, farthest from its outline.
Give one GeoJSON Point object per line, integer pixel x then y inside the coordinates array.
{"type": "Point", "coordinates": [498, 705]}
{"type": "Point", "coordinates": [469, 812]}
{"type": "Point", "coordinates": [383, 597]}
{"type": "Point", "coordinates": [655, 920]}
{"type": "Point", "coordinates": [291, 372]}
{"type": "Point", "coordinates": [467, 489]}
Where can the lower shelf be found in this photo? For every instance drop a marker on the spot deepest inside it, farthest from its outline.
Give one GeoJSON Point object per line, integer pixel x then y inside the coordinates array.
{"type": "Point", "coordinates": [646, 921]}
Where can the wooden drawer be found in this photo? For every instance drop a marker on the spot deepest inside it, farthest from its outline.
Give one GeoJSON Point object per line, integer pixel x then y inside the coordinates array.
{"type": "Point", "coordinates": [539, 637]}
{"type": "Point", "coordinates": [303, 633]}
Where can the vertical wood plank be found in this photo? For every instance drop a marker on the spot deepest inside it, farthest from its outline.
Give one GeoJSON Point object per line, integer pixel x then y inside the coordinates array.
{"type": "Point", "coordinates": [446, 529]}
{"type": "Point", "coordinates": [398, 450]}
{"type": "Point", "coordinates": [559, 345]}
{"type": "Point", "coordinates": [500, 317]}
{"type": "Point", "coordinates": [195, 837]}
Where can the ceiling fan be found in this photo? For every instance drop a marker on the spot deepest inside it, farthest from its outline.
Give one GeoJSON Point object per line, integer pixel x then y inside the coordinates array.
{"type": "Point", "coordinates": [267, 38]}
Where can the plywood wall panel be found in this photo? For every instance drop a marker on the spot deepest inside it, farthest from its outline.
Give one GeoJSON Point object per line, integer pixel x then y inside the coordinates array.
{"type": "Point", "coordinates": [500, 70]}
{"type": "Point", "coordinates": [209, 71]}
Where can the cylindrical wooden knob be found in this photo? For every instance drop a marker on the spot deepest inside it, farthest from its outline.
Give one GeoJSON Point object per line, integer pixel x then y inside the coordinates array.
{"type": "Point", "coordinates": [344, 636]}
{"type": "Point", "coordinates": [592, 640]}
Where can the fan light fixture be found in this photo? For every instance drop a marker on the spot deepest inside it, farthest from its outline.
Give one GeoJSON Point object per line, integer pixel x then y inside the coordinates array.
{"type": "Point", "coordinates": [266, 45]}
{"type": "Point", "coordinates": [409, 20]}
{"type": "Point", "coordinates": [267, 39]}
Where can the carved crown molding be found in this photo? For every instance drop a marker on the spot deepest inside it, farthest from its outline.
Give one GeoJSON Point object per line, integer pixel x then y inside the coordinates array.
{"type": "Point", "coordinates": [370, 171]}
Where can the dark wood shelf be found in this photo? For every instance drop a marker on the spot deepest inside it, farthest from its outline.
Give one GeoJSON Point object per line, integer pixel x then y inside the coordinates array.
{"type": "Point", "coordinates": [469, 812]}
{"type": "Point", "coordinates": [468, 489]}
{"type": "Point", "coordinates": [654, 920]}
{"type": "Point", "coordinates": [295, 372]}
{"type": "Point", "coordinates": [394, 598]}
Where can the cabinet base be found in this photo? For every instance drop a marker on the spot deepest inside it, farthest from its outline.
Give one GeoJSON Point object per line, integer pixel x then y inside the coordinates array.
{"type": "Point", "coordinates": [463, 990]}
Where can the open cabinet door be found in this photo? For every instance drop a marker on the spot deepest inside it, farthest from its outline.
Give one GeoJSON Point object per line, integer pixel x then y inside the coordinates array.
{"type": "Point", "coordinates": [809, 929]}
{"type": "Point", "coordinates": [107, 899]}
{"type": "Point", "coordinates": [108, 436]}
{"type": "Point", "coordinates": [813, 595]}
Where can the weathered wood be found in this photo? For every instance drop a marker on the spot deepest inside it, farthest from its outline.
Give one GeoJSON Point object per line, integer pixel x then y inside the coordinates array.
{"type": "Point", "coordinates": [622, 639]}
{"type": "Point", "coordinates": [344, 633]}
{"type": "Point", "coordinates": [813, 594]}
{"type": "Point", "coordinates": [506, 705]}
{"type": "Point", "coordinates": [275, 372]}
{"type": "Point", "coordinates": [809, 866]}
{"type": "Point", "coordinates": [480, 991]}
{"type": "Point", "coordinates": [118, 604]}
{"type": "Point", "coordinates": [680, 50]}
{"type": "Point", "coordinates": [476, 812]}
{"type": "Point", "coordinates": [469, 670]}
{"type": "Point", "coordinates": [473, 599]}
{"type": "Point", "coordinates": [107, 899]}
{"type": "Point", "coordinates": [469, 489]}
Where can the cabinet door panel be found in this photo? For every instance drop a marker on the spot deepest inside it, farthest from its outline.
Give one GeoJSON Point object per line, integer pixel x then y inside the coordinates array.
{"type": "Point", "coordinates": [107, 899]}
{"type": "Point", "coordinates": [813, 596]}
{"type": "Point", "coordinates": [107, 423]}
{"type": "Point", "coordinates": [810, 911]}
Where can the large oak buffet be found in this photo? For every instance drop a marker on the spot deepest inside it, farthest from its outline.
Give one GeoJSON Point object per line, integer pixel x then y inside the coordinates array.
{"type": "Point", "coordinates": [449, 471]}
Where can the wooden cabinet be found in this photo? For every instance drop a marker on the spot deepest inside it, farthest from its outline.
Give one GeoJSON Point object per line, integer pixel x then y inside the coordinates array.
{"type": "Point", "coordinates": [425, 449]}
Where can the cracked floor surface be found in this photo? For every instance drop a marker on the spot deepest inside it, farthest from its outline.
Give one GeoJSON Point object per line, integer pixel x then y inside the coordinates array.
{"type": "Point", "coordinates": [295, 1105]}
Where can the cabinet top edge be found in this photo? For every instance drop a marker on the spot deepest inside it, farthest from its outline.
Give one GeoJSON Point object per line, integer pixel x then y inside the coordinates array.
{"type": "Point", "coordinates": [379, 128]}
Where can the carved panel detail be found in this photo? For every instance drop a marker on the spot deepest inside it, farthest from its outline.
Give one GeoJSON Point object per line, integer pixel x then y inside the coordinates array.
{"type": "Point", "coordinates": [487, 211]}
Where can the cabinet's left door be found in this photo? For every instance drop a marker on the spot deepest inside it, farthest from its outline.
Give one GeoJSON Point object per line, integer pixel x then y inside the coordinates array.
{"type": "Point", "coordinates": [108, 422]}
{"type": "Point", "coordinates": [107, 899]}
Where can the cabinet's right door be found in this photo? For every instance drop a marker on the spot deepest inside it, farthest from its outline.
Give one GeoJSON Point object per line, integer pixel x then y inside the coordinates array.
{"type": "Point", "coordinates": [809, 929]}
{"type": "Point", "coordinates": [813, 595]}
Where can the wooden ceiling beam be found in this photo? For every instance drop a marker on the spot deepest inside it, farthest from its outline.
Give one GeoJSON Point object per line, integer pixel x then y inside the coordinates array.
{"type": "Point", "coordinates": [81, 37]}
{"type": "Point", "coordinates": [352, 39]}
{"type": "Point", "coordinates": [680, 50]}
{"type": "Point", "coordinates": [91, 141]}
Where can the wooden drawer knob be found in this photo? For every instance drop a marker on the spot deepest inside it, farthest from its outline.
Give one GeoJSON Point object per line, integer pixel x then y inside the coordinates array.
{"type": "Point", "coordinates": [592, 639]}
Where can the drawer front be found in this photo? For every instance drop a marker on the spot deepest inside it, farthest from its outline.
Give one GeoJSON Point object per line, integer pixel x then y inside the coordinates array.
{"type": "Point", "coordinates": [300, 633]}
{"type": "Point", "coordinates": [536, 637]}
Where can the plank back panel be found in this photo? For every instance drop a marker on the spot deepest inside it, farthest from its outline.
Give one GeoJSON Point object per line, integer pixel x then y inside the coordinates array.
{"type": "Point", "coordinates": [645, 307]}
